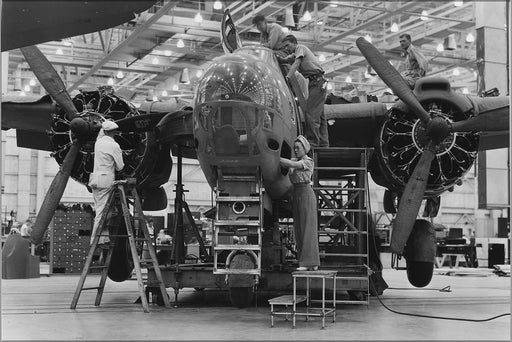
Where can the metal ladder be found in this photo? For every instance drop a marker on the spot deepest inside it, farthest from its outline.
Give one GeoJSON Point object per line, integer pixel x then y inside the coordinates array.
{"type": "Point", "coordinates": [341, 185]}
{"type": "Point", "coordinates": [230, 221]}
{"type": "Point", "coordinates": [123, 192]}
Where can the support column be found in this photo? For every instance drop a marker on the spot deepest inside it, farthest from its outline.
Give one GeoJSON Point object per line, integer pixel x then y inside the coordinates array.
{"type": "Point", "coordinates": [492, 63]}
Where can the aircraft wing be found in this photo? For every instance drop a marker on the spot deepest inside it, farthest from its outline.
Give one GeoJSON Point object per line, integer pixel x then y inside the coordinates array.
{"type": "Point", "coordinates": [492, 107]}
{"type": "Point", "coordinates": [27, 23]}
{"type": "Point", "coordinates": [354, 124]}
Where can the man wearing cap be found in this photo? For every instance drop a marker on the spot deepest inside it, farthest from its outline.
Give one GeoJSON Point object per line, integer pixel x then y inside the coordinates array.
{"type": "Point", "coordinates": [108, 159]}
{"type": "Point", "coordinates": [306, 63]}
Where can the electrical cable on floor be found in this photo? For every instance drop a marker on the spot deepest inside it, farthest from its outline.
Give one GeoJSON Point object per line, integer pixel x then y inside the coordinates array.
{"type": "Point", "coordinates": [445, 289]}
{"type": "Point", "coordinates": [435, 317]}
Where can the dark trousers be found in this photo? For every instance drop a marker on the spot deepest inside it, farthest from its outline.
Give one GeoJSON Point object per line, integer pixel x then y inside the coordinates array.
{"type": "Point", "coordinates": [316, 124]}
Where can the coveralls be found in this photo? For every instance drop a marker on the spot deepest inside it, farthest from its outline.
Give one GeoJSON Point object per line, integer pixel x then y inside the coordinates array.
{"type": "Point", "coordinates": [108, 159]}
{"type": "Point", "coordinates": [305, 222]}
{"type": "Point", "coordinates": [416, 65]}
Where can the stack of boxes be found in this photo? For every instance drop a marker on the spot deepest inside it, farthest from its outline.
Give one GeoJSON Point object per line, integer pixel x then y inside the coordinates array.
{"type": "Point", "coordinates": [71, 236]}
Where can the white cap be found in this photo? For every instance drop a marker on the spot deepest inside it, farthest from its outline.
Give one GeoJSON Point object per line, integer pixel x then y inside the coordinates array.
{"type": "Point", "coordinates": [108, 125]}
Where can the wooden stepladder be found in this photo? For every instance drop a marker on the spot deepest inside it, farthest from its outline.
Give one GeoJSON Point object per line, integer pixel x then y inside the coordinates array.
{"type": "Point", "coordinates": [123, 192]}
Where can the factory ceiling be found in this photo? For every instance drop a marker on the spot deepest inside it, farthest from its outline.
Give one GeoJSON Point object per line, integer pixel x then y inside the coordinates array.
{"type": "Point", "coordinates": [144, 59]}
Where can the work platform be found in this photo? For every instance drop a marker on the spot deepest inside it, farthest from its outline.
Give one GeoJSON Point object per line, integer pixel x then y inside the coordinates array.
{"type": "Point", "coordinates": [341, 186]}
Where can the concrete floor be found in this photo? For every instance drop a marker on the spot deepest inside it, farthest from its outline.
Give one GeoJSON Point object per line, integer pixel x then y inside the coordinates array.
{"type": "Point", "coordinates": [39, 309]}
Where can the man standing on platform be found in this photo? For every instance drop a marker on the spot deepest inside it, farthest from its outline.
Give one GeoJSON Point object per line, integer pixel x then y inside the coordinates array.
{"type": "Point", "coordinates": [308, 65]}
{"type": "Point", "coordinates": [272, 34]}
{"type": "Point", "coordinates": [108, 159]}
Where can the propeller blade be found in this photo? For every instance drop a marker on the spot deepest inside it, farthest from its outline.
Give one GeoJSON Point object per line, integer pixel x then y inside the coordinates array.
{"type": "Point", "coordinates": [140, 123]}
{"type": "Point", "coordinates": [411, 200]}
{"type": "Point", "coordinates": [54, 194]}
{"type": "Point", "coordinates": [492, 120]}
{"type": "Point", "coordinates": [392, 78]}
{"type": "Point", "coordinates": [49, 79]}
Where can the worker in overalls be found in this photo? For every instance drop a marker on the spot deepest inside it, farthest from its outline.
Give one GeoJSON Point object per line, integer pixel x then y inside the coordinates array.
{"type": "Point", "coordinates": [305, 220]}
{"type": "Point", "coordinates": [108, 159]}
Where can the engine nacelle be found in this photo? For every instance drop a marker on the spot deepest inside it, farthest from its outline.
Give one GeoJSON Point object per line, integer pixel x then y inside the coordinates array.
{"type": "Point", "coordinates": [403, 136]}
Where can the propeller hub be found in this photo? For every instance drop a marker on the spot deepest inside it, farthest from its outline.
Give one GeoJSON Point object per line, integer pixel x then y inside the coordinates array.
{"type": "Point", "coordinates": [437, 130]}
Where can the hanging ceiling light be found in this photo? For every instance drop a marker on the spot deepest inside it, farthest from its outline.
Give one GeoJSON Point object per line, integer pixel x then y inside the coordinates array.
{"type": "Point", "coordinates": [27, 88]}
{"type": "Point", "coordinates": [470, 38]}
{"type": "Point", "coordinates": [424, 15]}
{"type": "Point", "coordinates": [449, 42]}
{"type": "Point", "coordinates": [285, 30]}
{"type": "Point", "coordinates": [175, 87]}
{"type": "Point", "coordinates": [155, 98]}
{"type": "Point", "coordinates": [120, 74]}
{"type": "Point", "coordinates": [167, 53]}
{"type": "Point", "coordinates": [184, 78]}
{"type": "Point", "coordinates": [458, 3]}
{"type": "Point", "coordinates": [22, 93]}
{"type": "Point", "coordinates": [59, 51]}
{"type": "Point", "coordinates": [164, 93]}
{"type": "Point", "coordinates": [348, 79]}
{"type": "Point", "coordinates": [368, 38]}
{"type": "Point", "coordinates": [319, 22]}
{"type": "Point", "coordinates": [306, 16]}
{"type": "Point", "coordinates": [180, 43]}
{"type": "Point", "coordinates": [367, 75]}
{"type": "Point", "coordinates": [199, 73]}
{"type": "Point", "coordinates": [217, 5]}
{"type": "Point", "coordinates": [465, 91]}
{"type": "Point", "coordinates": [394, 27]}
{"type": "Point", "coordinates": [333, 5]}
{"type": "Point", "coordinates": [198, 18]}
{"type": "Point", "coordinates": [32, 82]}
{"type": "Point", "coordinates": [440, 47]}
{"type": "Point", "coordinates": [110, 81]}
{"type": "Point", "coordinates": [321, 58]}
{"type": "Point", "coordinates": [456, 72]}
{"type": "Point", "coordinates": [155, 61]}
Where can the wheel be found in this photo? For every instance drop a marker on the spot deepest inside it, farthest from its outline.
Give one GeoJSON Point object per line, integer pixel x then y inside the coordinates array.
{"type": "Point", "coordinates": [241, 297]}
{"type": "Point", "coordinates": [420, 252]}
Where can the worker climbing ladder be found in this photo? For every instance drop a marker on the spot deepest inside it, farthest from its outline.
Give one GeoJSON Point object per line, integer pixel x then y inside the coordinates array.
{"type": "Point", "coordinates": [123, 192]}
{"type": "Point", "coordinates": [341, 184]}
{"type": "Point", "coordinates": [237, 226]}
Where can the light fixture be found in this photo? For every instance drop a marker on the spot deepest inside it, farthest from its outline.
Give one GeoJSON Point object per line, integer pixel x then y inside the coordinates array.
{"type": "Point", "coordinates": [198, 18]}
{"type": "Point", "coordinates": [180, 43]}
{"type": "Point", "coordinates": [285, 30]}
{"type": "Point", "coordinates": [27, 88]}
{"type": "Point", "coordinates": [465, 91]}
{"type": "Point", "coordinates": [120, 74]}
{"type": "Point", "coordinates": [440, 47]}
{"type": "Point", "coordinates": [217, 5]}
{"type": "Point", "coordinates": [155, 61]}
{"type": "Point", "coordinates": [367, 75]}
{"type": "Point", "coordinates": [155, 98]}
{"type": "Point", "coordinates": [456, 72]}
{"type": "Point", "coordinates": [306, 16]}
{"type": "Point", "coordinates": [32, 82]}
{"type": "Point", "coordinates": [449, 42]}
{"type": "Point", "coordinates": [164, 93]}
{"type": "Point", "coordinates": [470, 38]}
{"type": "Point", "coordinates": [199, 73]}
{"type": "Point", "coordinates": [348, 79]}
{"type": "Point", "coordinates": [394, 27]}
{"type": "Point", "coordinates": [458, 3]}
{"type": "Point", "coordinates": [289, 21]}
{"type": "Point", "coordinates": [368, 38]}
{"type": "Point", "coordinates": [424, 15]}
{"type": "Point", "coordinates": [175, 87]}
{"type": "Point", "coordinates": [110, 81]}
{"type": "Point", "coordinates": [184, 78]}
{"type": "Point", "coordinates": [22, 93]}
{"type": "Point", "coordinates": [59, 51]}
{"type": "Point", "coordinates": [167, 53]}
{"type": "Point", "coordinates": [321, 58]}
{"type": "Point", "coordinates": [333, 5]}
{"type": "Point", "coordinates": [319, 22]}
{"type": "Point", "coordinates": [67, 43]}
